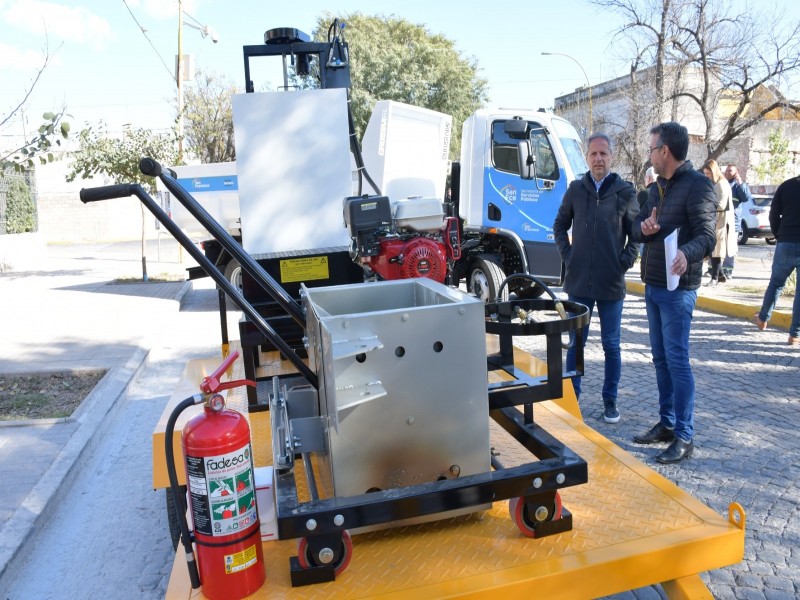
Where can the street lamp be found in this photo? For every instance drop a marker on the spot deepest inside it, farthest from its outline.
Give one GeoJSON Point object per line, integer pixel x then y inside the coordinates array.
{"type": "Point", "coordinates": [588, 85]}
{"type": "Point", "coordinates": [205, 31]}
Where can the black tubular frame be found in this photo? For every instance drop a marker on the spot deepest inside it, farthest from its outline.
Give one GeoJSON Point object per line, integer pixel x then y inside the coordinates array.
{"type": "Point", "coordinates": [247, 262]}
{"type": "Point", "coordinates": [323, 521]}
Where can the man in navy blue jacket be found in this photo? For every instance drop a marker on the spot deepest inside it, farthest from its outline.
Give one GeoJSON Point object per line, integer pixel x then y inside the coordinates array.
{"type": "Point", "coordinates": [600, 208]}
{"type": "Point", "coordinates": [740, 193]}
{"type": "Point", "coordinates": [682, 199]}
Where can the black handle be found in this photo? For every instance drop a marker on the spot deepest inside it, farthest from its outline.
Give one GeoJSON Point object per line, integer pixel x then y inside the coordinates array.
{"type": "Point", "coordinates": [150, 167]}
{"type": "Point", "coordinates": [107, 192]}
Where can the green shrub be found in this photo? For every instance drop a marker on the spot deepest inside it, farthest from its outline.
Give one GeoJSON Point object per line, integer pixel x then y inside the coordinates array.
{"type": "Point", "coordinates": [20, 209]}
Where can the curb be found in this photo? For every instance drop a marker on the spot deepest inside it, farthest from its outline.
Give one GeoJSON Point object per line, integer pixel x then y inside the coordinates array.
{"type": "Point", "coordinates": [20, 532]}
{"type": "Point", "coordinates": [181, 295]}
{"type": "Point", "coordinates": [780, 319]}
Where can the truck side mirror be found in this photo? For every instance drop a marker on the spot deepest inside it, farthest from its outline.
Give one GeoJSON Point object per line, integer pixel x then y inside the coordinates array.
{"type": "Point", "coordinates": [526, 160]}
{"type": "Point", "coordinates": [516, 128]}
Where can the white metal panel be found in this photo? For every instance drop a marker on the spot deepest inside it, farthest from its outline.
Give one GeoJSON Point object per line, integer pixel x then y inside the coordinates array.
{"type": "Point", "coordinates": [293, 160]}
{"type": "Point", "coordinates": [474, 154]}
{"type": "Point", "coordinates": [406, 411]}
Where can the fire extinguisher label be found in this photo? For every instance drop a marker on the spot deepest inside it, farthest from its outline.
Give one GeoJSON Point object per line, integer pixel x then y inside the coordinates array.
{"type": "Point", "coordinates": [240, 560]}
{"type": "Point", "coordinates": [223, 495]}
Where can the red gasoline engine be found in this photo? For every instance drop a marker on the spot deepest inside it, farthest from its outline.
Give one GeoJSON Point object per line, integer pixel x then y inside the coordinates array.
{"type": "Point", "coordinates": [222, 494]}
{"type": "Point", "coordinates": [402, 239]}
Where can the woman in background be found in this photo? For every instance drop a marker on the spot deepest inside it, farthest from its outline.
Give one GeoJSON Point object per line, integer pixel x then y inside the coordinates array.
{"type": "Point", "coordinates": [726, 232]}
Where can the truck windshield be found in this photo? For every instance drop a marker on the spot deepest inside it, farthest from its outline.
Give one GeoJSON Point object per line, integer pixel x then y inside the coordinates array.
{"type": "Point", "coordinates": [572, 146]}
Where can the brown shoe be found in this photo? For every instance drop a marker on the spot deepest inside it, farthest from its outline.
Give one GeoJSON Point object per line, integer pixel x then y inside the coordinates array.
{"type": "Point", "coordinates": [762, 325]}
{"type": "Point", "coordinates": [794, 340]}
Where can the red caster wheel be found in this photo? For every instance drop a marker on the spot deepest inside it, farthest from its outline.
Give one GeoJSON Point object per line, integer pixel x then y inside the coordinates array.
{"type": "Point", "coordinates": [339, 557]}
{"type": "Point", "coordinates": [522, 519]}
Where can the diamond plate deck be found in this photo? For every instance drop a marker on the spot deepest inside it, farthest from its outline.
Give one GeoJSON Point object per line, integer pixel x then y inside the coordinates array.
{"type": "Point", "coordinates": [631, 528]}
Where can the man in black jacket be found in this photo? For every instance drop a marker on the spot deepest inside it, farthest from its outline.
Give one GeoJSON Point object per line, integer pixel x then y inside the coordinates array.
{"type": "Point", "coordinates": [685, 200]}
{"type": "Point", "coordinates": [600, 208]}
{"type": "Point", "coordinates": [784, 218]}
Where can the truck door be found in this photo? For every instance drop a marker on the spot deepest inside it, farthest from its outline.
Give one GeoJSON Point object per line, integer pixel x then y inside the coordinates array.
{"type": "Point", "coordinates": [525, 210]}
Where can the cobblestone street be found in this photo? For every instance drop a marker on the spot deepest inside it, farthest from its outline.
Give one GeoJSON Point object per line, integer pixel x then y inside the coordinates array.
{"type": "Point", "coordinates": [746, 446]}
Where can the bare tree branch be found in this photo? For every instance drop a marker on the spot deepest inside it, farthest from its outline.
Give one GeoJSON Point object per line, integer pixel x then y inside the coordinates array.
{"type": "Point", "coordinates": [29, 91]}
{"type": "Point", "coordinates": [728, 63]}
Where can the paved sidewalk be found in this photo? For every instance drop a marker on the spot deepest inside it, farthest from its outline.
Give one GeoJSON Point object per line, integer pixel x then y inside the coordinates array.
{"type": "Point", "coordinates": [73, 312]}
{"type": "Point", "coordinates": [69, 315]}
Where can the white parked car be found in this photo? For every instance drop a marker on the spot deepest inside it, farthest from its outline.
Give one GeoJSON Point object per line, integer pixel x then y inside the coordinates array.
{"type": "Point", "coordinates": [755, 219]}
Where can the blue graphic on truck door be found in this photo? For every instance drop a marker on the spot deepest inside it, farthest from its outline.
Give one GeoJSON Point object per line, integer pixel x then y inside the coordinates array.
{"type": "Point", "coordinates": [527, 208]}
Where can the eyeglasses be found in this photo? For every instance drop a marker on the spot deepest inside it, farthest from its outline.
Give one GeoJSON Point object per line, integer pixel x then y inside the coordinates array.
{"type": "Point", "coordinates": [656, 148]}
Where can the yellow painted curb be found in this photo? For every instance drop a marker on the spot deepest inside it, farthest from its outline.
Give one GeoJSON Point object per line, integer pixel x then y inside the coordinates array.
{"type": "Point", "coordinates": [780, 319]}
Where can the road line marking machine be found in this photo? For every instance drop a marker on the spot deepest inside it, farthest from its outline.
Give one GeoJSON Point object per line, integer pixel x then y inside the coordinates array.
{"type": "Point", "coordinates": [374, 403]}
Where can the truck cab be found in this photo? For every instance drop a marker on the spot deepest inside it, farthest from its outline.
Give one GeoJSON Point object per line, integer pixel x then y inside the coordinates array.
{"type": "Point", "coordinates": [514, 170]}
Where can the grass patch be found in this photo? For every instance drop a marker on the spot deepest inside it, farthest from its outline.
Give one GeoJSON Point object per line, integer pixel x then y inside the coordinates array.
{"type": "Point", "coordinates": [161, 278]}
{"type": "Point", "coordinates": [44, 396]}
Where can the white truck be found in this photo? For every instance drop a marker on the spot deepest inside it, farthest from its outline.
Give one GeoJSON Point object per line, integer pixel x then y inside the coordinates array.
{"type": "Point", "coordinates": [477, 221]}
{"type": "Point", "coordinates": [504, 218]}
{"type": "Point", "coordinates": [498, 210]}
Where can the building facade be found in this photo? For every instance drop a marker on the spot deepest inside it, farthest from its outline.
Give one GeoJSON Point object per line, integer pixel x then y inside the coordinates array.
{"type": "Point", "coordinates": [625, 108]}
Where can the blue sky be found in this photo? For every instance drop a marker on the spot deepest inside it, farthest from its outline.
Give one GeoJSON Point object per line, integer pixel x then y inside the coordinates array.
{"type": "Point", "coordinates": [104, 68]}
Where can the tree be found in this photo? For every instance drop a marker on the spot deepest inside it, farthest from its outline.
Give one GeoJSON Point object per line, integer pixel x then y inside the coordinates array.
{"type": "Point", "coordinates": [630, 128]}
{"type": "Point", "coordinates": [40, 147]}
{"type": "Point", "coordinates": [726, 65]}
{"type": "Point", "coordinates": [209, 118]}
{"type": "Point", "coordinates": [773, 169]}
{"type": "Point", "coordinates": [393, 59]}
{"type": "Point", "coordinates": [20, 209]}
{"type": "Point", "coordinates": [52, 130]}
{"type": "Point", "coordinates": [119, 160]}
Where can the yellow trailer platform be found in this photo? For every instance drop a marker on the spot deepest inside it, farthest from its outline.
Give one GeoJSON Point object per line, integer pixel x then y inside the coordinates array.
{"type": "Point", "coordinates": [631, 528]}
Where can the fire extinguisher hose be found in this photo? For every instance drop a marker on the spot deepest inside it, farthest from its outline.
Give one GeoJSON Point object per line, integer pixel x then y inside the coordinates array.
{"type": "Point", "coordinates": [178, 499]}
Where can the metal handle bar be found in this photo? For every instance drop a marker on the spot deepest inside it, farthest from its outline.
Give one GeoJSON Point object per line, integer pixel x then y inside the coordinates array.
{"type": "Point", "coordinates": [134, 189]}
{"type": "Point", "coordinates": [256, 271]}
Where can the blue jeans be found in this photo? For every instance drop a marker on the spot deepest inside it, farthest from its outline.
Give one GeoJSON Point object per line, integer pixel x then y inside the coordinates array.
{"type": "Point", "coordinates": [610, 313]}
{"type": "Point", "coordinates": [669, 315]}
{"type": "Point", "coordinates": [786, 260]}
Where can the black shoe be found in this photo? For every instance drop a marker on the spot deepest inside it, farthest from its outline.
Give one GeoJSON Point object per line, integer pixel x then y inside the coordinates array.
{"type": "Point", "coordinates": [677, 451]}
{"type": "Point", "coordinates": [657, 433]}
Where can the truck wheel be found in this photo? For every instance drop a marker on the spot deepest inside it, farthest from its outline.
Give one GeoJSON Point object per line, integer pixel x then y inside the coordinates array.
{"type": "Point", "coordinates": [172, 518]}
{"type": "Point", "coordinates": [484, 279]}
{"type": "Point", "coordinates": [744, 235]}
{"type": "Point", "coordinates": [233, 273]}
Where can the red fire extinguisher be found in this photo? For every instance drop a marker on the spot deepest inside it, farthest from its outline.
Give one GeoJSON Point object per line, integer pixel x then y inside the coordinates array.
{"type": "Point", "coordinates": [222, 494]}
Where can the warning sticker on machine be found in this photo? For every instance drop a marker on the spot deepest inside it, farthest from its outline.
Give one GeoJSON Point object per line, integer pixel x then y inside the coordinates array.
{"type": "Point", "coordinates": [240, 560]}
{"type": "Point", "coordinates": [304, 269]}
{"type": "Point", "coordinates": [222, 492]}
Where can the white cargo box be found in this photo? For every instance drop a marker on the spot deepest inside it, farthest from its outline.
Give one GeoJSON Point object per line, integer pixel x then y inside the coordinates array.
{"type": "Point", "coordinates": [419, 214]}
{"type": "Point", "coordinates": [406, 149]}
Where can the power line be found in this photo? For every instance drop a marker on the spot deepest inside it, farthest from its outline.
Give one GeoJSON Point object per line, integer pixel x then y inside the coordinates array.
{"type": "Point", "coordinates": [142, 29]}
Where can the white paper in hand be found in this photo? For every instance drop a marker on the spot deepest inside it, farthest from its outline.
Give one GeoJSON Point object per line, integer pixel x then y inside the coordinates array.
{"type": "Point", "coordinates": [670, 252]}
